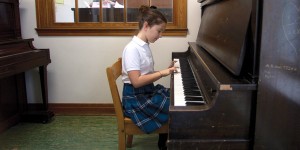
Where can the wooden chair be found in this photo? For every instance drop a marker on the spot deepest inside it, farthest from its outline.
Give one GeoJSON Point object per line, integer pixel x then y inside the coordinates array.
{"type": "Point", "coordinates": [125, 125]}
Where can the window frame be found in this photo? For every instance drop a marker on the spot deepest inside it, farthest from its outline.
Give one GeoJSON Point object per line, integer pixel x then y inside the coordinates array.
{"type": "Point", "coordinates": [46, 26]}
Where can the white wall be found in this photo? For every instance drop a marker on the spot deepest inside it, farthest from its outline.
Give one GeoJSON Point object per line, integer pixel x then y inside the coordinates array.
{"type": "Point", "coordinates": [77, 71]}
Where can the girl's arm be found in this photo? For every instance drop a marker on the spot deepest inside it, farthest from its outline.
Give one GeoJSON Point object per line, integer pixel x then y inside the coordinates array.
{"type": "Point", "coordinates": [138, 80]}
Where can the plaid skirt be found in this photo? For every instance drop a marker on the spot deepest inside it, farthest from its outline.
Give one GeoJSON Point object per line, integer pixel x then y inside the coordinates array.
{"type": "Point", "coordinates": [147, 106]}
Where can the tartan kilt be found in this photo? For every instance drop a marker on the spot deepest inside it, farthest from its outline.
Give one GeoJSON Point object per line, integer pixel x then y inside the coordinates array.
{"type": "Point", "coordinates": [147, 106]}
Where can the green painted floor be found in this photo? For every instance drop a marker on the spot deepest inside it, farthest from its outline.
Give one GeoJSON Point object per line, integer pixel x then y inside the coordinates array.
{"type": "Point", "coordinates": [71, 133]}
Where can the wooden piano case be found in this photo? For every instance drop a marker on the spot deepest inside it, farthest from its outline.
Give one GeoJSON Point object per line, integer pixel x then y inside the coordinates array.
{"type": "Point", "coordinates": [18, 55]}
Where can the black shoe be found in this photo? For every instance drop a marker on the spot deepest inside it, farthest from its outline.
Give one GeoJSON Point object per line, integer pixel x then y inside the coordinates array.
{"type": "Point", "coordinates": [162, 141]}
{"type": "Point", "coordinates": [163, 148]}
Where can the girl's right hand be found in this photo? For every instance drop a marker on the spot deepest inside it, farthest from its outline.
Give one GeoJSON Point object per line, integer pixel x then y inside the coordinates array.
{"type": "Point", "coordinates": [168, 71]}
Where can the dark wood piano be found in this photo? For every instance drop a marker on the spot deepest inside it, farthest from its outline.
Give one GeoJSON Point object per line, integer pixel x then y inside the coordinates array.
{"type": "Point", "coordinates": [18, 55]}
{"type": "Point", "coordinates": [213, 95]}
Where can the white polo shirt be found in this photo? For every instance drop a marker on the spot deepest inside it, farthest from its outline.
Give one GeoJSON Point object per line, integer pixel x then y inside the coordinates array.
{"type": "Point", "coordinates": [136, 56]}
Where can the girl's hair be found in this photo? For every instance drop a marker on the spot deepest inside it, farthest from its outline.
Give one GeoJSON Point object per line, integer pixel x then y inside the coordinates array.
{"type": "Point", "coordinates": [150, 15]}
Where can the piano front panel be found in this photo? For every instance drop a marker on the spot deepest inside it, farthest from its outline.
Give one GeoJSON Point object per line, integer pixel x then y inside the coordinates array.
{"type": "Point", "coordinates": [227, 119]}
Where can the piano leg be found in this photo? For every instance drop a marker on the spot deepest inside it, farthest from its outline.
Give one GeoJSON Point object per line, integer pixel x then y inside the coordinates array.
{"type": "Point", "coordinates": [44, 115]}
{"type": "Point", "coordinates": [44, 85]}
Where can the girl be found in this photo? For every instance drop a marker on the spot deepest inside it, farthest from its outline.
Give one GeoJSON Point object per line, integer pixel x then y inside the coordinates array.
{"type": "Point", "coordinates": [145, 103]}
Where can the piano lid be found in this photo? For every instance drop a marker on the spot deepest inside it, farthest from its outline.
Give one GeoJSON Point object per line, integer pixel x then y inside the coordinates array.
{"type": "Point", "coordinates": [223, 31]}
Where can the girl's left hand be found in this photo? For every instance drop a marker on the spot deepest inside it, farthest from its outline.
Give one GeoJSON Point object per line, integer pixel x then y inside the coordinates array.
{"type": "Point", "coordinates": [172, 64]}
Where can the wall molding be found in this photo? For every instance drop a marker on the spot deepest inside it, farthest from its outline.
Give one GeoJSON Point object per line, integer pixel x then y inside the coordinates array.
{"type": "Point", "coordinates": [81, 109]}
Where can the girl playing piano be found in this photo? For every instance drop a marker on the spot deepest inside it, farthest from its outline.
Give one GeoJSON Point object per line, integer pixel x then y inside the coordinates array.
{"type": "Point", "coordinates": [145, 103]}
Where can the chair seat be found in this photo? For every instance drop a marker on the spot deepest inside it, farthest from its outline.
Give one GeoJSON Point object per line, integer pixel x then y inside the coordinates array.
{"type": "Point", "coordinates": [127, 120]}
{"type": "Point", "coordinates": [131, 128]}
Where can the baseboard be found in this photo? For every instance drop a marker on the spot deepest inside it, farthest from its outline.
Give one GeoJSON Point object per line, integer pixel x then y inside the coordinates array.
{"type": "Point", "coordinates": [81, 109]}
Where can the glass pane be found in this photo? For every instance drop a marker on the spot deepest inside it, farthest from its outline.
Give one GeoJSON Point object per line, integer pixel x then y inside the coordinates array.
{"type": "Point", "coordinates": [113, 10]}
{"type": "Point", "coordinates": [165, 6]}
{"type": "Point", "coordinates": [88, 10]}
{"type": "Point", "coordinates": [64, 11]}
{"type": "Point", "coordinates": [133, 9]}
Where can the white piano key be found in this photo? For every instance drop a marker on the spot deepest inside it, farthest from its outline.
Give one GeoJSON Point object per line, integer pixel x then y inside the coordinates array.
{"type": "Point", "coordinates": [179, 96]}
{"type": "Point", "coordinates": [176, 64]}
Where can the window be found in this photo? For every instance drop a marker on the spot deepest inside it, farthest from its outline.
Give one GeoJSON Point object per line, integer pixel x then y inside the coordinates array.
{"type": "Point", "coordinates": [104, 17]}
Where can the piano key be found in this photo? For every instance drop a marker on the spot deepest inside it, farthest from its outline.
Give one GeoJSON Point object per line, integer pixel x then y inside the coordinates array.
{"type": "Point", "coordinates": [186, 91]}
{"type": "Point", "coordinates": [189, 103]}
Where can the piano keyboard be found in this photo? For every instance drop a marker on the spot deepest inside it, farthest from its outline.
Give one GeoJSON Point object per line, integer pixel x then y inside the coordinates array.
{"type": "Point", "coordinates": [186, 91]}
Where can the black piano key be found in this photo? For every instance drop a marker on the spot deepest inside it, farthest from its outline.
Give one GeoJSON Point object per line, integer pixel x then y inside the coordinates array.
{"type": "Point", "coordinates": [194, 103]}
{"type": "Point", "coordinates": [190, 88]}
{"type": "Point", "coordinates": [194, 98]}
{"type": "Point", "coordinates": [192, 94]}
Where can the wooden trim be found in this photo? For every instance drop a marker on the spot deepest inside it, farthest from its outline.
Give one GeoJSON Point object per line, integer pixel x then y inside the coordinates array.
{"type": "Point", "coordinates": [46, 25]}
{"type": "Point", "coordinates": [101, 32]}
{"type": "Point", "coordinates": [82, 109]}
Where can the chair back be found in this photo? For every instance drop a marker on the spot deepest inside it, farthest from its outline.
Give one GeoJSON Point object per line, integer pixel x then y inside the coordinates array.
{"type": "Point", "coordinates": [113, 73]}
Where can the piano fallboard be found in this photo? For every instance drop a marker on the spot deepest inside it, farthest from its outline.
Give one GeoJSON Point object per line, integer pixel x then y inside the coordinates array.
{"type": "Point", "coordinates": [17, 56]}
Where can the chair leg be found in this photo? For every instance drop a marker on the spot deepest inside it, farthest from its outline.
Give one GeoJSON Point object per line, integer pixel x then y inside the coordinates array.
{"type": "Point", "coordinates": [129, 141]}
{"type": "Point", "coordinates": [122, 139]}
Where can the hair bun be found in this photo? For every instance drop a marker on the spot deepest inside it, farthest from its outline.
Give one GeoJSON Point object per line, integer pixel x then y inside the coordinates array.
{"type": "Point", "coordinates": [151, 15]}
{"type": "Point", "coordinates": [153, 7]}
{"type": "Point", "coordinates": [143, 9]}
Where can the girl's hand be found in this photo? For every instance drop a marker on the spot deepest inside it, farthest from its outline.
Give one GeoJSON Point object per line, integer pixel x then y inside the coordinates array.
{"type": "Point", "coordinates": [172, 64]}
{"type": "Point", "coordinates": [167, 72]}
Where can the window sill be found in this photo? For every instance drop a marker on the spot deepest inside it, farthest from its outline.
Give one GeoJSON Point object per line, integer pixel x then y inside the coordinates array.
{"type": "Point", "coordinates": [101, 32]}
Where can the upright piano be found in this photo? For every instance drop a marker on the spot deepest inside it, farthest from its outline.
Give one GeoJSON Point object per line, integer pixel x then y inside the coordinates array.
{"type": "Point", "coordinates": [213, 93]}
{"type": "Point", "coordinates": [18, 55]}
